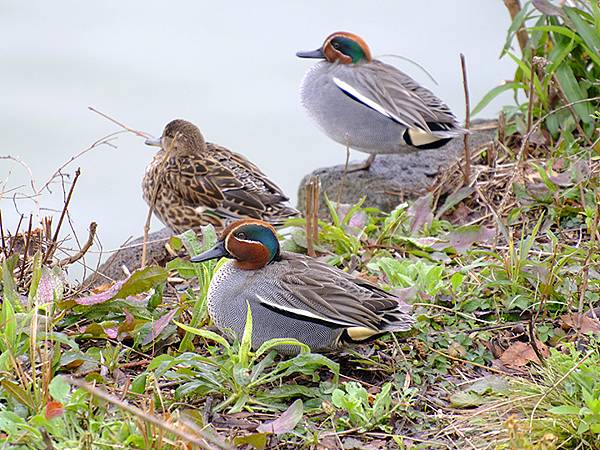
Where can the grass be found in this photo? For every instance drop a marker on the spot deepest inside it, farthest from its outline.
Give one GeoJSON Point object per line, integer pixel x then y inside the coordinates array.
{"type": "Point", "coordinates": [503, 274]}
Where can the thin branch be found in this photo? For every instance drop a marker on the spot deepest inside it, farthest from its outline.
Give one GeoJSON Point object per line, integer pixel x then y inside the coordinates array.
{"type": "Point", "coordinates": [77, 256]}
{"type": "Point", "coordinates": [52, 247]}
{"type": "Point", "coordinates": [204, 440]}
{"type": "Point", "coordinates": [121, 124]}
{"type": "Point", "coordinates": [160, 171]}
{"type": "Point", "coordinates": [2, 235]}
{"type": "Point", "coordinates": [12, 241]}
{"type": "Point", "coordinates": [26, 252]}
{"type": "Point", "coordinates": [312, 214]}
{"type": "Point", "coordinates": [106, 140]}
{"type": "Point", "coordinates": [466, 137]}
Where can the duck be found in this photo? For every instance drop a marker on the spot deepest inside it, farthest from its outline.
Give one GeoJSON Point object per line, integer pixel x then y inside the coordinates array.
{"type": "Point", "coordinates": [293, 296]}
{"type": "Point", "coordinates": [370, 106]}
{"type": "Point", "coordinates": [201, 183]}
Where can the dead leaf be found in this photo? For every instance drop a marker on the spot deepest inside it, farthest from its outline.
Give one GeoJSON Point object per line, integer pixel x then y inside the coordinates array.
{"type": "Point", "coordinates": [547, 8]}
{"type": "Point", "coordinates": [520, 354]}
{"type": "Point", "coordinates": [54, 409]}
{"type": "Point", "coordinates": [464, 237]}
{"type": "Point", "coordinates": [140, 281]}
{"type": "Point", "coordinates": [581, 322]}
{"type": "Point", "coordinates": [286, 422]}
{"type": "Point", "coordinates": [421, 213]}
{"type": "Point", "coordinates": [158, 326]}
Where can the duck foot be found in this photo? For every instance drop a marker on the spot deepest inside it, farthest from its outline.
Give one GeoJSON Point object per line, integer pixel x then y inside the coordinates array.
{"type": "Point", "coordinates": [365, 165]}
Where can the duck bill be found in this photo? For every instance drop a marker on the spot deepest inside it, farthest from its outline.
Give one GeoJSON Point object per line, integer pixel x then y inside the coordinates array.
{"type": "Point", "coordinates": [218, 251]}
{"type": "Point", "coordinates": [154, 142]}
{"type": "Point", "coordinates": [318, 54]}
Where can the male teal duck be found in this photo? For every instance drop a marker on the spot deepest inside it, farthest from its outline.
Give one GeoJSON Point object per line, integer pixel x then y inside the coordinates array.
{"type": "Point", "coordinates": [202, 183]}
{"type": "Point", "coordinates": [292, 295]}
{"type": "Point", "coordinates": [371, 106]}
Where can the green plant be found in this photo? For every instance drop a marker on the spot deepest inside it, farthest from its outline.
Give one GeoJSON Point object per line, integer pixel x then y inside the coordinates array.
{"type": "Point", "coordinates": [243, 378]}
{"type": "Point", "coordinates": [368, 413]}
{"type": "Point", "coordinates": [560, 65]}
{"type": "Point", "coordinates": [563, 398]}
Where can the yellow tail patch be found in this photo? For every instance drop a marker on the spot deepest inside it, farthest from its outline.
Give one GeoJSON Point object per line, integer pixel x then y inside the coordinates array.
{"type": "Point", "coordinates": [420, 137]}
{"type": "Point", "coordinates": [361, 333]}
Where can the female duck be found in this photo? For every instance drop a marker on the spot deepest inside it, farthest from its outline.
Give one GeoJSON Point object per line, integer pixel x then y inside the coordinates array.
{"type": "Point", "coordinates": [292, 295]}
{"type": "Point", "coordinates": [200, 183]}
{"type": "Point", "coordinates": [371, 106]}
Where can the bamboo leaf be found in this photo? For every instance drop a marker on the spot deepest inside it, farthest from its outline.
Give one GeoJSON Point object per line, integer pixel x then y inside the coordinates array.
{"type": "Point", "coordinates": [495, 92]}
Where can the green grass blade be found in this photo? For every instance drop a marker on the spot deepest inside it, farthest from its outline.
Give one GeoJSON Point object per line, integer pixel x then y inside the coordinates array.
{"type": "Point", "coordinates": [204, 333]}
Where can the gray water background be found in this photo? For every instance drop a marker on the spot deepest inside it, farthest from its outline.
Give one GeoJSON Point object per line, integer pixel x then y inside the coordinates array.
{"type": "Point", "coordinates": [229, 67]}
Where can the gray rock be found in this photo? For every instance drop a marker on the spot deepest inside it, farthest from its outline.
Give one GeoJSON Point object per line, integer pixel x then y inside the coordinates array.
{"type": "Point", "coordinates": [393, 178]}
{"type": "Point", "coordinates": [130, 256]}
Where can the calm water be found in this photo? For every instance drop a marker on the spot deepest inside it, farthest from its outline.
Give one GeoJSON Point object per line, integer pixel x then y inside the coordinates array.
{"type": "Point", "coordinates": [229, 69]}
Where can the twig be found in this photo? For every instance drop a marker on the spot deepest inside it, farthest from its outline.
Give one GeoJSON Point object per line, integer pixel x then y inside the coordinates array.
{"type": "Point", "coordinates": [12, 241]}
{"type": "Point", "coordinates": [102, 141]}
{"type": "Point", "coordinates": [555, 385]}
{"type": "Point", "coordinates": [2, 235]}
{"type": "Point", "coordinates": [466, 361]}
{"type": "Point", "coordinates": [204, 440]}
{"type": "Point", "coordinates": [312, 211]}
{"type": "Point", "coordinates": [147, 224]}
{"type": "Point", "coordinates": [153, 200]}
{"type": "Point", "coordinates": [122, 125]}
{"type": "Point", "coordinates": [514, 8]}
{"type": "Point", "coordinates": [533, 340]}
{"type": "Point", "coordinates": [52, 246]}
{"type": "Point", "coordinates": [466, 137]}
{"type": "Point", "coordinates": [26, 252]}
{"type": "Point", "coordinates": [77, 256]}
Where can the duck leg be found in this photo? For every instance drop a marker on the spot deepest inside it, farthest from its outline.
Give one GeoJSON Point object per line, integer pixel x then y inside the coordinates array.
{"type": "Point", "coordinates": [365, 165]}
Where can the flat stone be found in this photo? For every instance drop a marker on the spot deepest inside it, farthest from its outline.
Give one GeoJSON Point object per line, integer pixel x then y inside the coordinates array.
{"type": "Point", "coordinates": [392, 179]}
{"type": "Point", "coordinates": [130, 256]}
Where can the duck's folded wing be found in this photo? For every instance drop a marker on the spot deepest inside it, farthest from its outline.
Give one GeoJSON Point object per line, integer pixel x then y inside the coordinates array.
{"type": "Point", "coordinates": [395, 95]}
{"type": "Point", "coordinates": [322, 294]}
{"type": "Point", "coordinates": [256, 195]}
{"type": "Point", "coordinates": [189, 178]}
{"type": "Point", "coordinates": [230, 187]}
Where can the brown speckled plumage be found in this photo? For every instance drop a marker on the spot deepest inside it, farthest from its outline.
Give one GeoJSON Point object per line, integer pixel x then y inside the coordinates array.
{"type": "Point", "coordinates": [202, 183]}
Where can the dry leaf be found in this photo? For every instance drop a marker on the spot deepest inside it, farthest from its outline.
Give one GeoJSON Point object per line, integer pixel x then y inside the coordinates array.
{"type": "Point", "coordinates": [520, 354]}
{"type": "Point", "coordinates": [581, 322]}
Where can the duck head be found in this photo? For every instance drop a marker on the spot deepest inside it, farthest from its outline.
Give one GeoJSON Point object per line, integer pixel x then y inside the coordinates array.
{"type": "Point", "coordinates": [251, 243]}
{"type": "Point", "coordinates": [179, 136]}
{"type": "Point", "coordinates": [341, 47]}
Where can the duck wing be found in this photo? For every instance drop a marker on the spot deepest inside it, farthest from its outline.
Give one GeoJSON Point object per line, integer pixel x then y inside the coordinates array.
{"type": "Point", "coordinates": [397, 96]}
{"type": "Point", "coordinates": [312, 290]}
{"type": "Point", "coordinates": [227, 184]}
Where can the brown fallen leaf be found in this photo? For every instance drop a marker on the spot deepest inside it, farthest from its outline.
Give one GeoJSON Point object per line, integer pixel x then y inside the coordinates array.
{"type": "Point", "coordinates": [520, 354]}
{"type": "Point", "coordinates": [580, 322]}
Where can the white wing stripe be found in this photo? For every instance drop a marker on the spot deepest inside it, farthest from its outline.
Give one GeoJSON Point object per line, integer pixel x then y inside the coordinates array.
{"type": "Point", "coordinates": [349, 90]}
{"type": "Point", "coordinates": [303, 312]}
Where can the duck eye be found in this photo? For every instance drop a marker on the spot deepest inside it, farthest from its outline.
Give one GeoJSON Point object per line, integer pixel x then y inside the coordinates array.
{"type": "Point", "coordinates": [336, 45]}
{"type": "Point", "coordinates": [241, 235]}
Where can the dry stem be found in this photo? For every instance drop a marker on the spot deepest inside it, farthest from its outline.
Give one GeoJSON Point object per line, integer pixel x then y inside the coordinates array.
{"type": "Point", "coordinates": [52, 246]}
{"type": "Point", "coordinates": [77, 256]}
{"type": "Point", "coordinates": [204, 441]}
